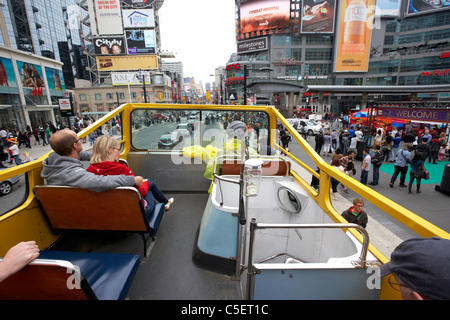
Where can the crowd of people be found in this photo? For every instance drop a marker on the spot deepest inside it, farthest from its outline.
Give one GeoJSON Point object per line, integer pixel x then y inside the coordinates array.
{"type": "Point", "coordinates": [406, 150]}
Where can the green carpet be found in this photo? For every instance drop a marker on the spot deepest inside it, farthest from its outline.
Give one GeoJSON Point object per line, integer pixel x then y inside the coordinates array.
{"type": "Point", "coordinates": [435, 170]}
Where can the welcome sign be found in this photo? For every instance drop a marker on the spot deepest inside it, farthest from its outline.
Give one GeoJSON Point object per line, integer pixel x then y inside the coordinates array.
{"type": "Point", "coordinates": [435, 115]}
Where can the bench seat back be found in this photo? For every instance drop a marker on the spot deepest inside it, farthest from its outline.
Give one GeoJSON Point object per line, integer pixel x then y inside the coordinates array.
{"type": "Point", "coordinates": [70, 208]}
{"type": "Point", "coordinates": [64, 275]}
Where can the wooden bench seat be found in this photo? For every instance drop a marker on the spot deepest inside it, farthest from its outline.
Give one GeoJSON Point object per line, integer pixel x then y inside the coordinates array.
{"type": "Point", "coordinates": [62, 275]}
{"type": "Point", "coordinates": [119, 209]}
{"type": "Point", "coordinates": [272, 167]}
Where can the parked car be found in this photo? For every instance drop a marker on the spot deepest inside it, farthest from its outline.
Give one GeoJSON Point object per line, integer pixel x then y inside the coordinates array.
{"type": "Point", "coordinates": [6, 185]}
{"type": "Point", "coordinates": [169, 140]}
{"type": "Point", "coordinates": [311, 127]}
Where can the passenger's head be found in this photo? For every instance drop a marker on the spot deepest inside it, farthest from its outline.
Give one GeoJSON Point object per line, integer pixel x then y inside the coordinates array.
{"type": "Point", "coordinates": [358, 204]}
{"type": "Point", "coordinates": [422, 268]}
{"type": "Point", "coordinates": [105, 149]}
{"type": "Point", "coordinates": [236, 129]}
{"type": "Point", "coordinates": [65, 143]}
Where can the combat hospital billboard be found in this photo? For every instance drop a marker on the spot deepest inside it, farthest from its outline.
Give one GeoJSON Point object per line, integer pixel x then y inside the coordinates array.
{"type": "Point", "coordinates": [264, 14]}
{"type": "Point", "coordinates": [352, 46]}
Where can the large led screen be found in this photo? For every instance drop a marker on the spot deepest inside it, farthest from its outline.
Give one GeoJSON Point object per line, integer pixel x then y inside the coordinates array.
{"type": "Point", "coordinates": [352, 46]}
{"type": "Point", "coordinates": [423, 6]}
{"type": "Point", "coordinates": [141, 41]}
{"type": "Point", "coordinates": [318, 16]}
{"type": "Point", "coordinates": [264, 14]}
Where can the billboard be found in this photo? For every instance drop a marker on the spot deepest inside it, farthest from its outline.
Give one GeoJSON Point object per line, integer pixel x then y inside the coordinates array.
{"type": "Point", "coordinates": [318, 16]}
{"type": "Point", "coordinates": [138, 18]}
{"type": "Point", "coordinates": [30, 75]}
{"type": "Point", "coordinates": [252, 45]}
{"type": "Point", "coordinates": [117, 63]}
{"type": "Point", "coordinates": [425, 6]}
{"type": "Point", "coordinates": [129, 78]}
{"type": "Point", "coordinates": [141, 41]}
{"type": "Point", "coordinates": [55, 79]}
{"type": "Point", "coordinates": [109, 45]}
{"type": "Point", "coordinates": [264, 14]}
{"type": "Point", "coordinates": [388, 8]}
{"type": "Point", "coordinates": [109, 17]}
{"type": "Point", "coordinates": [352, 46]}
{"type": "Point", "coordinates": [7, 77]}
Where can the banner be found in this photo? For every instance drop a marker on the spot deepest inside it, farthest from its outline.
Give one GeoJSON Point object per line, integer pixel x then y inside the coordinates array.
{"type": "Point", "coordinates": [109, 18]}
{"type": "Point", "coordinates": [264, 14]}
{"type": "Point", "coordinates": [112, 63]}
{"type": "Point", "coordinates": [138, 18]}
{"type": "Point", "coordinates": [352, 47]}
{"type": "Point", "coordinates": [418, 114]}
{"type": "Point", "coordinates": [129, 78]}
{"type": "Point", "coordinates": [318, 16]}
{"type": "Point", "coordinates": [141, 41]}
{"type": "Point", "coordinates": [109, 45]}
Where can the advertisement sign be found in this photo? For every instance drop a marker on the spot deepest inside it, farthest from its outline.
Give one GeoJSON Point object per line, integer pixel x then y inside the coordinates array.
{"type": "Point", "coordinates": [109, 17]}
{"type": "Point", "coordinates": [318, 16]}
{"type": "Point", "coordinates": [109, 45]}
{"type": "Point", "coordinates": [55, 79]}
{"type": "Point", "coordinates": [137, 3]}
{"type": "Point", "coordinates": [352, 46]}
{"type": "Point", "coordinates": [252, 45]}
{"type": "Point", "coordinates": [418, 114]}
{"type": "Point", "coordinates": [129, 78]}
{"type": "Point", "coordinates": [141, 41]}
{"type": "Point", "coordinates": [425, 6]}
{"type": "Point", "coordinates": [264, 14]}
{"type": "Point", "coordinates": [30, 75]}
{"type": "Point", "coordinates": [65, 107]}
{"type": "Point", "coordinates": [388, 8]}
{"type": "Point", "coordinates": [140, 18]}
{"type": "Point", "coordinates": [7, 78]}
{"type": "Point", "coordinates": [117, 63]}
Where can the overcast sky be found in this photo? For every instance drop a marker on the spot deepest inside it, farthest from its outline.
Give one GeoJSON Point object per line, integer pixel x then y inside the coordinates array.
{"type": "Point", "coordinates": [201, 34]}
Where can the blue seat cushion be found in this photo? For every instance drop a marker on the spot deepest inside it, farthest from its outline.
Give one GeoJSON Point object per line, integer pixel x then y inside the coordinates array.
{"type": "Point", "coordinates": [155, 216]}
{"type": "Point", "coordinates": [109, 274]}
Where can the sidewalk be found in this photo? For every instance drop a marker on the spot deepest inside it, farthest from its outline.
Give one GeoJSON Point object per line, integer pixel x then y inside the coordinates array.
{"type": "Point", "coordinates": [38, 151]}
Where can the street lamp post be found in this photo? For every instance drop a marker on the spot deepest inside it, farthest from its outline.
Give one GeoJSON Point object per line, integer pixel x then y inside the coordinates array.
{"type": "Point", "coordinates": [143, 82]}
{"type": "Point", "coordinates": [245, 78]}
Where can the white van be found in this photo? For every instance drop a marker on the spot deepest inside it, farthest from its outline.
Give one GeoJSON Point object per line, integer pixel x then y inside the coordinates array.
{"type": "Point", "coordinates": [310, 126]}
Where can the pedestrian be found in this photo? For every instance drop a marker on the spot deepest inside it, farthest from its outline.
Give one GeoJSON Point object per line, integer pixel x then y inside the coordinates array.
{"type": "Point", "coordinates": [336, 163]}
{"type": "Point", "coordinates": [397, 139]}
{"type": "Point", "coordinates": [434, 146]}
{"type": "Point", "coordinates": [401, 165]}
{"type": "Point", "coordinates": [285, 138]}
{"type": "Point", "coordinates": [386, 147]}
{"type": "Point", "coordinates": [365, 166]}
{"type": "Point", "coordinates": [319, 141]}
{"type": "Point", "coordinates": [36, 136]}
{"type": "Point", "coordinates": [377, 160]}
{"type": "Point", "coordinates": [334, 139]}
{"type": "Point", "coordinates": [416, 172]}
{"type": "Point", "coordinates": [14, 151]}
{"type": "Point", "coordinates": [43, 137]}
{"type": "Point", "coordinates": [378, 138]}
{"type": "Point", "coordinates": [420, 268]}
{"type": "Point", "coordinates": [356, 214]}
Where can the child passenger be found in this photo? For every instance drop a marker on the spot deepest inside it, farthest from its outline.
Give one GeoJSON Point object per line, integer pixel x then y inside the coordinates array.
{"type": "Point", "coordinates": [105, 161]}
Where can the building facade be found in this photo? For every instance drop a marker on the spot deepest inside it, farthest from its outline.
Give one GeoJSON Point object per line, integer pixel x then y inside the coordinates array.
{"type": "Point", "coordinates": [310, 43]}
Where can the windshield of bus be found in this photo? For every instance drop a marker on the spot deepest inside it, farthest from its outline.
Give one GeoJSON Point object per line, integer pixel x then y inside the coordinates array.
{"type": "Point", "coordinates": [175, 129]}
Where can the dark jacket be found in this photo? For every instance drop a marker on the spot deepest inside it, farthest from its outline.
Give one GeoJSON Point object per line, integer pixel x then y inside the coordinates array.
{"type": "Point", "coordinates": [361, 219]}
